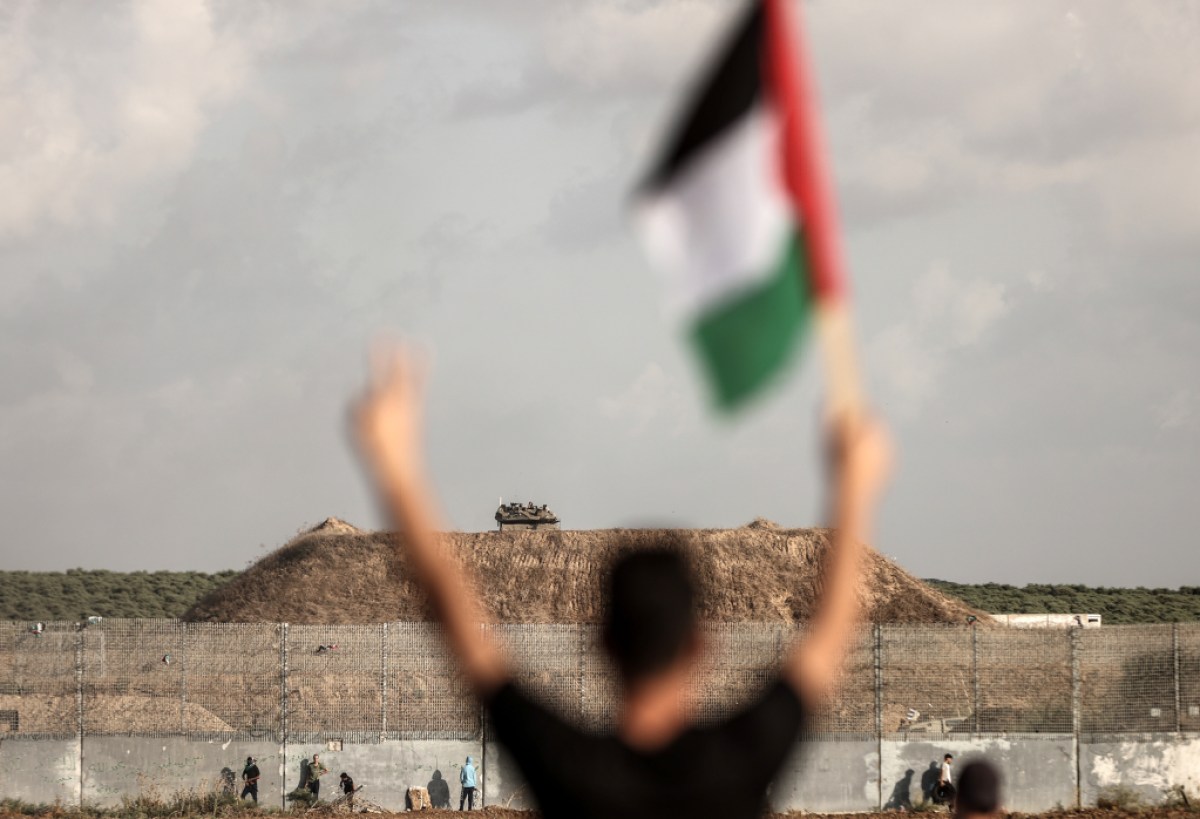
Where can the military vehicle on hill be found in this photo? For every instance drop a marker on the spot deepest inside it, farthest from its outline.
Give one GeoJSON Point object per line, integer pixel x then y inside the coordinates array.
{"type": "Point", "coordinates": [525, 516]}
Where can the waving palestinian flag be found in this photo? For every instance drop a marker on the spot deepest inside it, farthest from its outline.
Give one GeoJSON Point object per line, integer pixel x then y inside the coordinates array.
{"type": "Point", "coordinates": [737, 211]}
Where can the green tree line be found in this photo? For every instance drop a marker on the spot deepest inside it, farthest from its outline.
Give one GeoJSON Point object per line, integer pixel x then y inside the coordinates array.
{"type": "Point", "coordinates": [1116, 605]}
{"type": "Point", "coordinates": [78, 593]}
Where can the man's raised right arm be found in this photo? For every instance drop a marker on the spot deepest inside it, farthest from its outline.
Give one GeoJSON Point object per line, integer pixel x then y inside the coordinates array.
{"type": "Point", "coordinates": [388, 430]}
{"type": "Point", "coordinates": [860, 461]}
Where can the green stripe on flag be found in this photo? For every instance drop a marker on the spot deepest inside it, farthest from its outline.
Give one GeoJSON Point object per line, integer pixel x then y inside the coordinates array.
{"type": "Point", "coordinates": [745, 341]}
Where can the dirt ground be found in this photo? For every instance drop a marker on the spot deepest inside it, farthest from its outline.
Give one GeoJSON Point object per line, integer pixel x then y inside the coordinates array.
{"type": "Point", "coordinates": [504, 813]}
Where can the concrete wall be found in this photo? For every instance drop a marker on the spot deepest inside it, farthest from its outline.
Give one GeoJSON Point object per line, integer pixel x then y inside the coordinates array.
{"type": "Point", "coordinates": [1039, 771]}
{"type": "Point", "coordinates": [128, 766]}
{"type": "Point", "coordinates": [114, 767]}
{"type": "Point", "coordinates": [386, 770]}
{"type": "Point", "coordinates": [1149, 764]}
{"type": "Point", "coordinates": [40, 771]}
{"type": "Point", "coordinates": [832, 775]}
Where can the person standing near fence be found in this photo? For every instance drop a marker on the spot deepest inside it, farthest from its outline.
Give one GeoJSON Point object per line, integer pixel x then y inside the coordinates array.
{"type": "Point", "coordinates": [466, 778]}
{"type": "Point", "coordinates": [315, 770]}
{"type": "Point", "coordinates": [250, 777]}
{"type": "Point", "coordinates": [348, 789]}
{"type": "Point", "coordinates": [945, 786]}
{"type": "Point", "coordinates": [658, 762]}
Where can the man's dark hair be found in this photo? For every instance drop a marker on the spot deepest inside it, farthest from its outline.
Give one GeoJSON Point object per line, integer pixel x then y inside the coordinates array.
{"type": "Point", "coordinates": [651, 616]}
{"type": "Point", "coordinates": [948, 756]}
{"type": "Point", "coordinates": [978, 789]}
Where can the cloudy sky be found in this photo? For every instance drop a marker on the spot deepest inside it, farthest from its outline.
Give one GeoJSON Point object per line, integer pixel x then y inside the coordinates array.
{"type": "Point", "coordinates": [208, 209]}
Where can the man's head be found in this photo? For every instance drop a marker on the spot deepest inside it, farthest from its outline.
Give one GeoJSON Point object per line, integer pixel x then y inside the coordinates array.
{"type": "Point", "coordinates": [469, 762]}
{"type": "Point", "coordinates": [978, 790]}
{"type": "Point", "coordinates": [345, 775]}
{"type": "Point", "coordinates": [650, 622]}
{"type": "Point", "coordinates": [947, 758]}
{"type": "Point", "coordinates": [316, 758]}
{"type": "Point", "coordinates": [249, 760]}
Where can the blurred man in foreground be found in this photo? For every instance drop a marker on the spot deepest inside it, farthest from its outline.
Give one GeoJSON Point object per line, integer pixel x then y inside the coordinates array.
{"type": "Point", "coordinates": [978, 795]}
{"type": "Point", "coordinates": [658, 763]}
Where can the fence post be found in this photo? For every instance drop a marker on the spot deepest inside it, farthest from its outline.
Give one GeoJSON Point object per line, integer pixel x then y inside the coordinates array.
{"type": "Point", "coordinates": [975, 677]}
{"type": "Point", "coordinates": [878, 652]}
{"type": "Point", "coordinates": [183, 658]}
{"type": "Point", "coordinates": [283, 713]}
{"type": "Point", "coordinates": [79, 706]}
{"type": "Point", "coordinates": [383, 689]}
{"type": "Point", "coordinates": [1175, 654]}
{"type": "Point", "coordinates": [579, 650]}
{"type": "Point", "coordinates": [1076, 710]}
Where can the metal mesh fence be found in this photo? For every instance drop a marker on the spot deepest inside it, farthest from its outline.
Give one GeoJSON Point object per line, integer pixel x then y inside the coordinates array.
{"type": "Point", "coordinates": [396, 680]}
{"type": "Point", "coordinates": [427, 697]}
{"type": "Point", "coordinates": [1188, 674]}
{"type": "Point", "coordinates": [335, 682]}
{"type": "Point", "coordinates": [231, 675]}
{"type": "Point", "coordinates": [133, 683]}
{"type": "Point", "coordinates": [1023, 681]}
{"type": "Point", "coordinates": [38, 686]}
{"type": "Point", "coordinates": [1127, 679]}
{"type": "Point", "coordinates": [928, 681]}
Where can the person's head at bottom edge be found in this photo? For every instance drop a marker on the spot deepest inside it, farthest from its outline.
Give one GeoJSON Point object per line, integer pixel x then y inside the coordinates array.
{"type": "Point", "coordinates": [979, 786]}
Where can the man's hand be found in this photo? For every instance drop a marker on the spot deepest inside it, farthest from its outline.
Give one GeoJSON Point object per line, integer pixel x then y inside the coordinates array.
{"type": "Point", "coordinates": [388, 417]}
{"type": "Point", "coordinates": [860, 455]}
{"type": "Point", "coordinates": [388, 429]}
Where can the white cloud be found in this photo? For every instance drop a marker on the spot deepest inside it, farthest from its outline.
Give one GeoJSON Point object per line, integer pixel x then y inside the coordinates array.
{"type": "Point", "coordinates": [945, 316]}
{"type": "Point", "coordinates": [1182, 411]}
{"type": "Point", "coordinates": [109, 106]}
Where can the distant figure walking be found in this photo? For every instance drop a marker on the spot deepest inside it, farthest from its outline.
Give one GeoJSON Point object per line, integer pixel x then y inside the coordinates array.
{"type": "Point", "coordinates": [466, 778]}
{"type": "Point", "coordinates": [348, 788]}
{"type": "Point", "coordinates": [945, 786]}
{"type": "Point", "coordinates": [978, 791]}
{"type": "Point", "coordinates": [250, 776]}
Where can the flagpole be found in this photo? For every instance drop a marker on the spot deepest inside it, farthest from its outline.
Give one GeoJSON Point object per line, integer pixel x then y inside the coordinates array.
{"type": "Point", "coordinates": [807, 176]}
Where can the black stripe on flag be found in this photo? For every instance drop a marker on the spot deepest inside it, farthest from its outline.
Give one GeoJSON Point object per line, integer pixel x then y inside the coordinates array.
{"type": "Point", "coordinates": [728, 91]}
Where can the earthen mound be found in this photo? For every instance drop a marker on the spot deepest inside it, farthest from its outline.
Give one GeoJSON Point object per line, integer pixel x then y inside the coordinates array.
{"type": "Point", "coordinates": [338, 574]}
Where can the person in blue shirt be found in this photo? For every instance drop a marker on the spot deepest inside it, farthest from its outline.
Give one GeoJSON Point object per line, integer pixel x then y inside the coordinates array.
{"type": "Point", "coordinates": [466, 778]}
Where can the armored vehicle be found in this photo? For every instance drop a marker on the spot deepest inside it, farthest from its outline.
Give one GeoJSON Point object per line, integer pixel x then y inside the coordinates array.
{"type": "Point", "coordinates": [525, 516]}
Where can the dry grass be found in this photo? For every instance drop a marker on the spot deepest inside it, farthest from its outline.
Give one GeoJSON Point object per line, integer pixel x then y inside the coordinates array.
{"type": "Point", "coordinates": [337, 574]}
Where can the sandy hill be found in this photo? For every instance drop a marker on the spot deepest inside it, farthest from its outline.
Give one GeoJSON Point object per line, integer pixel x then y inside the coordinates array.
{"type": "Point", "coordinates": [336, 573]}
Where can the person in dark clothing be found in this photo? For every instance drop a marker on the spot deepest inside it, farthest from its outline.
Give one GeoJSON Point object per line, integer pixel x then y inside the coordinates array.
{"type": "Point", "coordinates": [979, 787]}
{"type": "Point", "coordinates": [250, 777]}
{"type": "Point", "coordinates": [658, 762]}
{"type": "Point", "coordinates": [348, 788]}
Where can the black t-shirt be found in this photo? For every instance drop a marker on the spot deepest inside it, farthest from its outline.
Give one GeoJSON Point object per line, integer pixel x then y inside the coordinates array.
{"type": "Point", "coordinates": [250, 772]}
{"type": "Point", "coordinates": [347, 785]}
{"type": "Point", "coordinates": [721, 771]}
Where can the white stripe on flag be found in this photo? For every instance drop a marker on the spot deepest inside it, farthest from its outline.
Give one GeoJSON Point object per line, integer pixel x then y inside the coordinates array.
{"type": "Point", "coordinates": [719, 227]}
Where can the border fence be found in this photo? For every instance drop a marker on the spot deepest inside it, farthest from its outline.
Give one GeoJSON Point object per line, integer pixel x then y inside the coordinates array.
{"type": "Point", "coordinates": [309, 685]}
